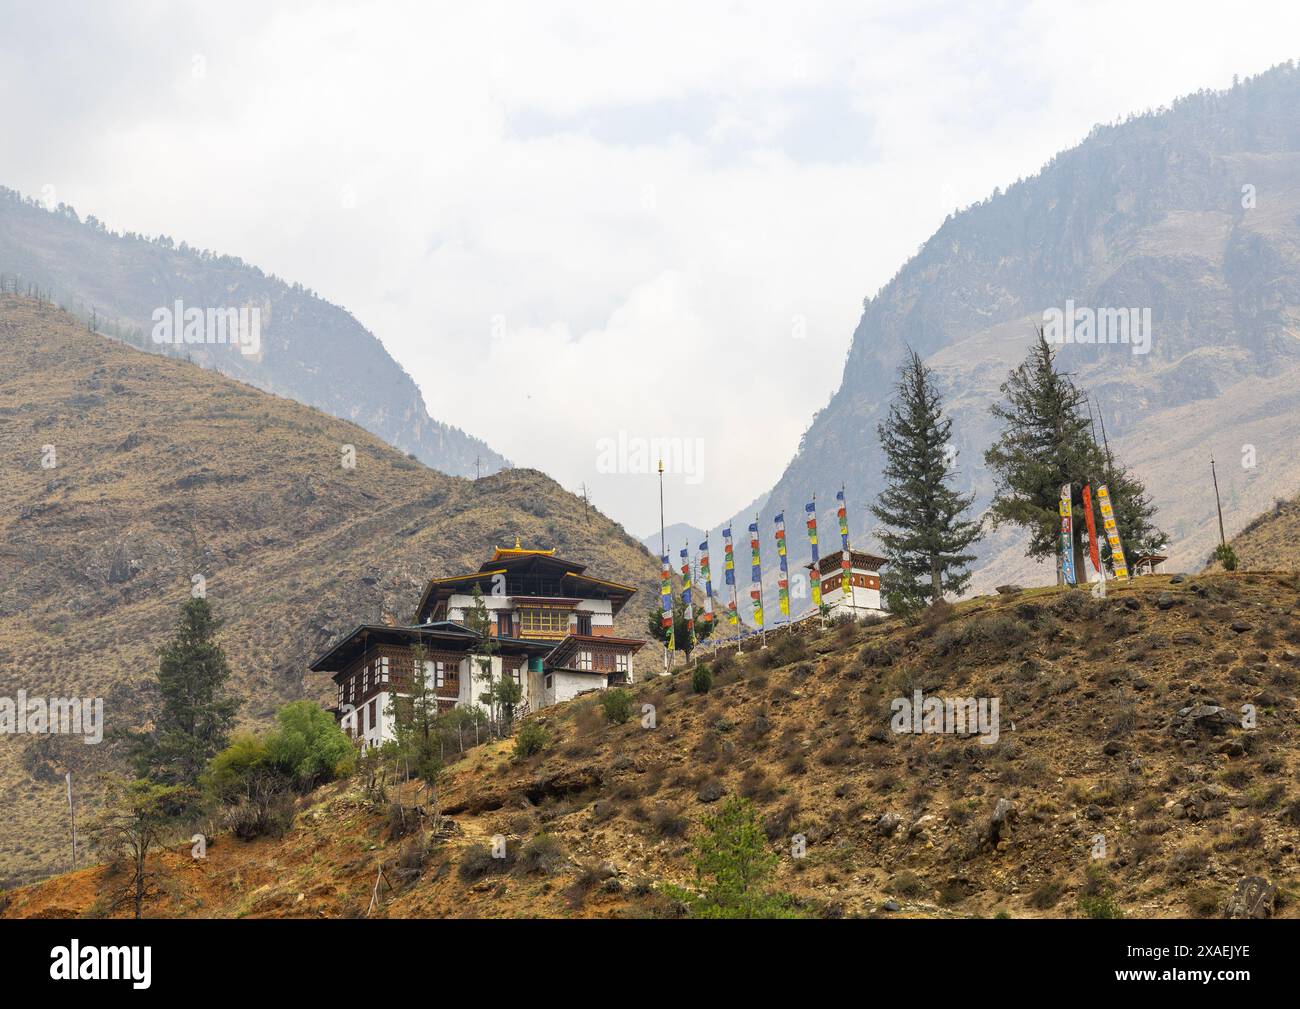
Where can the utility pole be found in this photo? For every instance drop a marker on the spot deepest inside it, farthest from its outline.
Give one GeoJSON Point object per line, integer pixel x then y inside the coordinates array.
{"type": "Point", "coordinates": [72, 812]}
{"type": "Point", "coordinates": [663, 550]}
{"type": "Point", "coordinates": [1223, 542]}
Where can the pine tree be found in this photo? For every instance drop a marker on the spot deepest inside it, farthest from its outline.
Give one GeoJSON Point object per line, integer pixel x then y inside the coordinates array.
{"type": "Point", "coordinates": [926, 536]}
{"type": "Point", "coordinates": [197, 714]}
{"type": "Point", "coordinates": [479, 620]}
{"type": "Point", "coordinates": [683, 640]}
{"type": "Point", "coordinates": [136, 818]}
{"type": "Point", "coordinates": [1047, 442]}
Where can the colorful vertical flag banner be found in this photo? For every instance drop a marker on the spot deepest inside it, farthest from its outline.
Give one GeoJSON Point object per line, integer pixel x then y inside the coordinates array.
{"type": "Point", "coordinates": [1091, 522]}
{"type": "Point", "coordinates": [783, 576]}
{"type": "Point", "coordinates": [666, 599]}
{"type": "Point", "coordinates": [1067, 536]}
{"type": "Point", "coordinates": [1117, 562]}
{"type": "Point", "coordinates": [846, 559]}
{"type": "Point", "coordinates": [816, 586]}
{"type": "Point", "coordinates": [688, 611]}
{"type": "Point", "coordinates": [707, 575]}
{"type": "Point", "coordinates": [729, 575]}
{"type": "Point", "coordinates": [756, 576]}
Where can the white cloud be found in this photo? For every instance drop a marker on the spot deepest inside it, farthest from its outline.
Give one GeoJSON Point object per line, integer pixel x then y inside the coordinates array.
{"type": "Point", "coordinates": [651, 202]}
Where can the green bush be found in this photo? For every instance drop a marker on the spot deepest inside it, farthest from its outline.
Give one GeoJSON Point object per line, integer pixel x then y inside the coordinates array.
{"type": "Point", "coordinates": [532, 738]}
{"type": "Point", "coordinates": [308, 745]}
{"type": "Point", "coordinates": [1226, 556]}
{"type": "Point", "coordinates": [544, 853]}
{"type": "Point", "coordinates": [732, 863]}
{"type": "Point", "coordinates": [617, 705]}
{"type": "Point", "coordinates": [477, 862]}
{"type": "Point", "coordinates": [1102, 905]}
{"type": "Point", "coordinates": [701, 680]}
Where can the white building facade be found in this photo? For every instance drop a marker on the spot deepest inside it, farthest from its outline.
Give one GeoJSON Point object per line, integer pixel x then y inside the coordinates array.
{"type": "Point", "coordinates": [547, 624]}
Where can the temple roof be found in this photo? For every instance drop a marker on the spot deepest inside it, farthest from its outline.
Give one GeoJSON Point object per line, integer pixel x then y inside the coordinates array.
{"type": "Point", "coordinates": [861, 560]}
{"type": "Point", "coordinates": [565, 578]}
{"type": "Point", "coordinates": [446, 634]}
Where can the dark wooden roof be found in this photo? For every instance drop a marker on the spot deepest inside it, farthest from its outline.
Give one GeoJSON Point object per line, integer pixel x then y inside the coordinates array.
{"type": "Point", "coordinates": [444, 634]}
{"type": "Point", "coordinates": [574, 643]}
{"type": "Point", "coordinates": [861, 559]}
{"type": "Point", "coordinates": [532, 564]}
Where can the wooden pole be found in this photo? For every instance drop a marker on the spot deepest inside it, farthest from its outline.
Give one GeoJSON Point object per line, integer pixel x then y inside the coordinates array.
{"type": "Point", "coordinates": [72, 813]}
{"type": "Point", "coordinates": [663, 552]}
{"type": "Point", "coordinates": [1223, 542]}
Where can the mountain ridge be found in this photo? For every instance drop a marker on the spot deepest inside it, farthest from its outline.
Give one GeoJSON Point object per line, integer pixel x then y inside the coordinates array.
{"type": "Point", "coordinates": [1151, 213]}
{"type": "Point", "coordinates": [127, 474]}
{"type": "Point", "coordinates": [311, 350]}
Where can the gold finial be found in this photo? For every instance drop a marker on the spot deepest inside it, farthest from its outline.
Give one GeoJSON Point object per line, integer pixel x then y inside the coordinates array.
{"type": "Point", "coordinates": [661, 467]}
{"type": "Point", "coordinates": [516, 541]}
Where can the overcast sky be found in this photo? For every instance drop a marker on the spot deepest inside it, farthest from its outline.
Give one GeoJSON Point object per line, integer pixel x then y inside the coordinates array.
{"type": "Point", "coordinates": [571, 221]}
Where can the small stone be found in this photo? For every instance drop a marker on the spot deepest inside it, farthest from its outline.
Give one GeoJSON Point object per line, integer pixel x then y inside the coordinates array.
{"type": "Point", "coordinates": [887, 824]}
{"type": "Point", "coordinates": [711, 791]}
{"type": "Point", "coordinates": [1241, 626]}
{"type": "Point", "coordinates": [889, 905]}
{"type": "Point", "coordinates": [919, 828]}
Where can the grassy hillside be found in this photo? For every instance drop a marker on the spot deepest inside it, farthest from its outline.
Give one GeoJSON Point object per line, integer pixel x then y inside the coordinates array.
{"type": "Point", "coordinates": [165, 471]}
{"type": "Point", "coordinates": [312, 351]}
{"type": "Point", "coordinates": [1272, 541]}
{"type": "Point", "coordinates": [1090, 693]}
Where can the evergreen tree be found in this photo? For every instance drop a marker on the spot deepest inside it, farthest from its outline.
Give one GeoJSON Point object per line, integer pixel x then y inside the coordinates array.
{"type": "Point", "coordinates": [1046, 442]}
{"type": "Point", "coordinates": [479, 620]}
{"type": "Point", "coordinates": [925, 536]}
{"type": "Point", "coordinates": [417, 737]}
{"type": "Point", "coordinates": [136, 819]}
{"type": "Point", "coordinates": [197, 714]}
{"type": "Point", "coordinates": [733, 863]}
{"type": "Point", "coordinates": [683, 640]}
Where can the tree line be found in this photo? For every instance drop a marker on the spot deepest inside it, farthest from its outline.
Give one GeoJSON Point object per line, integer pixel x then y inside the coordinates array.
{"type": "Point", "coordinates": [1047, 441]}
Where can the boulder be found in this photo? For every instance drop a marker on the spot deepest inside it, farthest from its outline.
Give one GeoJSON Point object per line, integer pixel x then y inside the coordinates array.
{"type": "Point", "coordinates": [1252, 897]}
{"type": "Point", "coordinates": [1199, 720]}
{"type": "Point", "coordinates": [711, 791]}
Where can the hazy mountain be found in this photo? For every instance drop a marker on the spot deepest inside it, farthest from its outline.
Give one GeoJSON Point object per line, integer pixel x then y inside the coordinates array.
{"type": "Point", "coordinates": [678, 535]}
{"type": "Point", "coordinates": [125, 475]}
{"type": "Point", "coordinates": [311, 351]}
{"type": "Point", "coordinates": [1192, 212]}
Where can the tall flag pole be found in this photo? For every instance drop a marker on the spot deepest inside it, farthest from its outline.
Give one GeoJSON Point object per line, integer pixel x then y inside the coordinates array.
{"type": "Point", "coordinates": [846, 558]}
{"type": "Point", "coordinates": [783, 577]}
{"type": "Point", "coordinates": [666, 583]}
{"type": "Point", "coordinates": [707, 575]}
{"type": "Point", "coordinates": [729, 576]}
{"type": "Point", "coordinates": [1117, 562]}
{"type": "Point", "coordinates": [688, 610]}
{"type": "Point", "coordinates": [816, 586]}
{"type": "Point", "coordinates": [666, 598]}
{"type": "Point", "coordinates": [756, 578]}
{"type": "Point", "coordinates": [1067, 535]}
